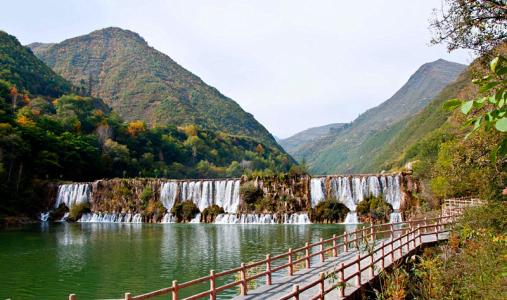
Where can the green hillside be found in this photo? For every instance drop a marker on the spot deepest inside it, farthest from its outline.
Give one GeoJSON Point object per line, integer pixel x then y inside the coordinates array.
{"type": "Point", "coordinates": [350, 149]}
{"type": "Point", "coordinates": [19, 66]}
{"type": "Point", "coordinates": [297, 142]}
{"type": "Point", "coordinates": [47, 137]}
{"type": "Point", "coordinates": [139, 82]}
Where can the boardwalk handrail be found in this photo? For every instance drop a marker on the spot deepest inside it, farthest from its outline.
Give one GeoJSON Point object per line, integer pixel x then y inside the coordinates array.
{"type": "Point", "coordinates": [331, 246]}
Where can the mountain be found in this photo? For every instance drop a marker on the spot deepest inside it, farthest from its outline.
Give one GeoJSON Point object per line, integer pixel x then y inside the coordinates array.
{"type": "Point", "coordinates": [295, 143]}
{"type": "Point", "coordinates": [139, 82]}
{"type": "Point", "coordinates": [349, 150]}
{"type": "Point", "coordinates": [19, 66]}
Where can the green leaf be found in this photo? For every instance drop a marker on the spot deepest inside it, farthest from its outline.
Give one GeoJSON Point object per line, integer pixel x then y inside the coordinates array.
{"type": "Point", "coordinates": [494, 63]}
{"type": "Point", "coordinates": [488, 86]}
{"type": "Point", "coordinates": [501, 125]}
{"type": "Point", "coordinates": [477, 123]}
{"type": "Point", "coordinates": [467, 106]}
{"type": "Point", "coordinates": [502, 149]}
{"type": "Point", "coordinates": [451, 104]}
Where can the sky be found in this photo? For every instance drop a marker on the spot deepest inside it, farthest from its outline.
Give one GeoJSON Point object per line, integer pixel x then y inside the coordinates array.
{"type": "Point", "coordinates": [292, 64]}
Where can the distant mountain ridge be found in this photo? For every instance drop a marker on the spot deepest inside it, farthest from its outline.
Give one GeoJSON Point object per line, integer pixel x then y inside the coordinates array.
{"type": "Point", "coordinates": [139, 82]}
{"type": "Point", "coordinates": [294, 144]}
{"type": "Point", "coordinates": [348, 150]}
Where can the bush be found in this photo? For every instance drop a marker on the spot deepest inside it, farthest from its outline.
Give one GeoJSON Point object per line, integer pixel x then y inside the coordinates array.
{"type": "Point", "coordinates": [250, 193]}
{"type": "Point", "coordinates": [146, 195]}
{"type": "Point", "coordinates": [77, 210]}
{"type": "Point", "coordinates": [374, 207]}
{"type": "Point", "coordinates": [210, 213]}
{"type": "Point", "coordinates": [329, 210]}
{"type": "Point", "coordinates": [185, 211]}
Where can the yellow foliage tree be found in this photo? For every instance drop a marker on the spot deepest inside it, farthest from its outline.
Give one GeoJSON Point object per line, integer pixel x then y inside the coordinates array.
{"type": "Point", "coordinates": [136, 127]}
{"type": "Point", "coordinates": [24, 121]}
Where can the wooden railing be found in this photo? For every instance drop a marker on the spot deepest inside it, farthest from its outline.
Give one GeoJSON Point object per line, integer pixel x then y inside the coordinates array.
{"type": "Point", "coordinates": [404, 232]}
{"type": "Point", "coordinates": [404, 245]}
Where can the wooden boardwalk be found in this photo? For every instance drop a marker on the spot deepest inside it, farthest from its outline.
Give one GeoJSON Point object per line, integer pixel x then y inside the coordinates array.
{"type": "Point", "coordinates": [285, 285]}
{"type": "Point", "coordinates": [332, 268]}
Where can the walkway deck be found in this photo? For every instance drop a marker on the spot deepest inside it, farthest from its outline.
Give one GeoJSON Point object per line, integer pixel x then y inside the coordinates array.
{"type": "Point", "coordinates": [285, 285]}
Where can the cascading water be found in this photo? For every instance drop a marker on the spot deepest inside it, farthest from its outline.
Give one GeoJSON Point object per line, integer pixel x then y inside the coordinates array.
{"type": "Point", "coordinates": [317, 190]}
{"type": "Point", "coordinates": [296, 218]}
{"type": "Point", "coordinates": [44, 217]}
{"type": "Point", "coordinates": [168, 218]}
{"type": "Point", "coordinates": [395, 217]}
{"type": "Point", "coordinates": [196, 219]}
{"type": "Point", "coordinates": [168, 194]}
{"type": "Point", "coordinates": [110, 218]}
{"type": "Point", "coordinates": [352, 190]}
{"type": "Point", "coordinates": [74, 193]}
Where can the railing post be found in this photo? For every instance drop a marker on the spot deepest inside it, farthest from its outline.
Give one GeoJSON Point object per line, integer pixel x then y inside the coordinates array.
{"type": "Point", "coordinates": [383, 254]}
{"type": "Point", "coordinates": [268, 269]}
{"type": "Point", "coordinates": [372, 273]}
{"type": "Point", "coordinates": [307, 254]}
{"type": "Point", "coordinates": [436, 230]}
{"type": "Point", "coordinates": [356, 238]}
{"type": "Point", "coordinates": [296, 291]}
{"type": "Point", "coordinates": [392, 251]}
{"type": "Point", "coordinates": [213, 294]}
{"type": "Point", "coordinates": [341, 277]}
{"type": "Point", "coordinates": [322, 280]}
{"type": "Point", "coordinates": [290, 268]}
{"type": "Point", "coordinates": [358, 265]}
{"type": "Point", "coordinates": [72, 297]}
{"type": "Point", "coordinates": [244, 290]}
{"type": "Point", "coordinates": [345, 241]}
{"type": "Point", "coordinates": [175, 290]}
{"type": "Point", "coordinates": [392, 231]}
{"type": "Point", "coordinates": [372, 232]}
{"type": "Point", "coordinates": [322, 254]}
{"type": "Point", "coordinates": [128, 296]}
{"type": "Point", "coordinates": [419, 234]}
{"type": "Point", "coordinates": [335, 252]}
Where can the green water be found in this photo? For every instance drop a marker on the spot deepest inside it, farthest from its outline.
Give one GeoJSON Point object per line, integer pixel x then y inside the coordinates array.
{"type": "Point", "coordinates": [49, 261]}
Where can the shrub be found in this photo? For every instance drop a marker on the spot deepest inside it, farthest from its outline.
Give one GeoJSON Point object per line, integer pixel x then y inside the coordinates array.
{"type": "Point", "coordinates": [374, 207]}
{"type": "Point", "coordinates": [185, 211]}
{"type": "Point", "coordinates": [329, 210]}
{"type": "Point", "coordinates": [210, 213]}
{"type": "Point", "coordinates": [146, 194]}
{"type": "Point", "coordinates": [250, 193]}
{"type": "Point", "coordinates": [77, 210]}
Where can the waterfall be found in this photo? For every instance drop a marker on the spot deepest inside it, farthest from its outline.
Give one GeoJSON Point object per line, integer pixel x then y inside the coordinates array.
{"type": "Point", "coordinates": [196, 219]}
{"type": "Point", "coordinates": [168, 194]}
{"type": "Point", "coordinates": [110, 218]}
{"type": "Point", "coordinates": [44, 217]}
{"type": "Point", "coordinates": [351, 218]}
{"type": "Point", "coordinates": [224, 193]}
{"type": "Point", "coordinates": [392, 191]}
{"type": "Point", "coordinates": [74, 193]}
{"type": "Point", "coordinates": [373, 186]}
{"type": "Point", "coordinates": [317, 189]}
{"type": "Point", "coordinates": [296, 218]}
{"type": "Point", "coordinates": [395, 217]}
{"type": "Point", "coordinates": [65, 217]}
{"type": "Point", "coordinates": [168, 218]}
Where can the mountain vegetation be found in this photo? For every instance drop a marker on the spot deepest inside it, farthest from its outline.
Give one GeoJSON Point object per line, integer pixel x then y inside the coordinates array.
{"type": "Point", "coordinates": [141, 83]}
{"type": "Point", "coordinates": [47, 135]}
{"type": "Point", "coordinates": [348, 149]}
{"type": "Point", "coordinates": [297, 142]}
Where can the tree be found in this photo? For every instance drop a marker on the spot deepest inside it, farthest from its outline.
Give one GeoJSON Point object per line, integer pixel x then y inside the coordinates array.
{"type": "Point", "coordinates": [479, 25]}
{"type": "Point", "coordinates": [136, 127]}
{"type": "Point", "coordinates": [491, 109]}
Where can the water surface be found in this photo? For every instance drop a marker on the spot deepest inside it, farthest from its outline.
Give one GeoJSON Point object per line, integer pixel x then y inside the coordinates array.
{"type": "Point", "coordinates": [49, 261]}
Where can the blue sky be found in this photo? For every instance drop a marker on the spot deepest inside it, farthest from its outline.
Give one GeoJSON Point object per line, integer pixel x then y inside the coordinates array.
{"type": "Point", "coordinates": [292, 64]}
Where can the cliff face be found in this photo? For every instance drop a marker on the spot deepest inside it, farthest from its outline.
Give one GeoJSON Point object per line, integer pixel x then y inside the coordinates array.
{"type": "Point", "coordinates": [266, 200]}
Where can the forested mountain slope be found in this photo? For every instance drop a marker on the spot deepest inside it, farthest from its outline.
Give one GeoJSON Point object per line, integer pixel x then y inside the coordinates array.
{"type": "Point", "coordinates": [139, 82]}
{"type": "Point", "coordinates": [349, 149]}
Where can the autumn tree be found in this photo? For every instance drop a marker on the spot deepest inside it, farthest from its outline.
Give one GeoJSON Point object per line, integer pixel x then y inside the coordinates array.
{"type": "Point", "coordinates": [479, 25]}
{"type": "Point", "coordinates": [136, 127]}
